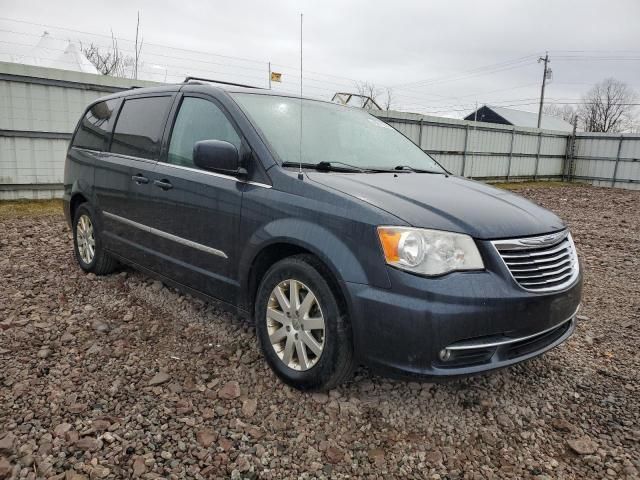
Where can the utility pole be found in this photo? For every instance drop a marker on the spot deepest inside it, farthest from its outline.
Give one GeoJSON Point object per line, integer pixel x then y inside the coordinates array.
{"type": "Point", "coordinates": [544, 81]}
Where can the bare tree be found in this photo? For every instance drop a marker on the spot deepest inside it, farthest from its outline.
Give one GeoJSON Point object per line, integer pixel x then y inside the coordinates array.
{"type": "Point", "coordinates": [367, 89]}
{"type": "Point", "coordinates": [389, 100]}
{"type": "Point", "coordinates": [608, 107]}
{"type": "Point", "coordinates": [111, 61]}
{"type": "Point", "coordinates": [108, 61]}
{"type": "Point", "coordinates": [565, 112]}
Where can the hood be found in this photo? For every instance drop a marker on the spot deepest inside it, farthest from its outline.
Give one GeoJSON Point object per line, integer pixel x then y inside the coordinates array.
{"type": "Point", "coordinates": [446, 203]}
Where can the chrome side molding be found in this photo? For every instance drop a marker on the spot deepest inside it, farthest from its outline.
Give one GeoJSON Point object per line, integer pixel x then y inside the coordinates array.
{"type": "Point", "coordinates": [213, 174]}
{"type": "Point", "coordinates": [166, 235]}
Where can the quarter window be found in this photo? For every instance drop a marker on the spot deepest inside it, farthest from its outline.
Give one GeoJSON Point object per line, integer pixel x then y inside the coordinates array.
{"type": "Point", "coordinates": [96, 125]}
{"type": "Point", "coordinates": [139, 128]}
{"type": "Point", "coordinates": [197, 120]}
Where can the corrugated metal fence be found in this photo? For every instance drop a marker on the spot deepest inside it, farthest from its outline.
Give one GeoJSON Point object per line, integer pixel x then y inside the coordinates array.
{"type": "Point", "coordinates": [39, 108]}
{"type": "Point", "coordinates": [607, 159]}
{"type": "Point", "coordinates": [485, 151]}
{"type": "Point", "coordinates": [498, 152]}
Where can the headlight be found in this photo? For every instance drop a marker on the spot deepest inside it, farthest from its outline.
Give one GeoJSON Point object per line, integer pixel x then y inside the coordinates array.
{"type": "Point", "coordinates": [429, 252]}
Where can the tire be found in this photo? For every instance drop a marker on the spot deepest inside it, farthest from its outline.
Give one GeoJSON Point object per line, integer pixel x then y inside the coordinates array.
{"type": "Point", "coordinates": [85, 233]}
{"type": "Point", "coordinates": [290, 342]}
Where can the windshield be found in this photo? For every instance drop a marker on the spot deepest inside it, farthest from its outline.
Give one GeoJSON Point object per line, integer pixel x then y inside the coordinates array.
{"type": "Point", "coordinates": [332, 133]}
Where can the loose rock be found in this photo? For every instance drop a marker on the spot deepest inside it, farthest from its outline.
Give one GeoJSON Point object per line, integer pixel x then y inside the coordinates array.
{"type": "Point", "coordinates": [206, 437]}
{"type": "Point", "coordinates": [583, 445]}
{"type": "Point", "coordinates": [230, 390]}
{"type": "Point", "coordinates": [249, 407]}
{"type": "Point", "coordinates": [159, 378]}
{"type": "Point", "coordinates": [334, 455]}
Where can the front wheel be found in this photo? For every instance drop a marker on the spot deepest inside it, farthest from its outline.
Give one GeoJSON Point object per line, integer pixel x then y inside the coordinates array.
{"type": "Point", "coordinates": [87, 244]}
{"type": "Point", "coordinates": [304, 334]}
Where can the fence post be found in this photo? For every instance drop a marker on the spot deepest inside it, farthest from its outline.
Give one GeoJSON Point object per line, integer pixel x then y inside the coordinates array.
{"type": "Point", "coordinates": [420, 135]}
{"type": "Point", "coordinates": [535, 172]}
{"type": "Point", "coordinates": [568, 156]}
{"type": "Point", "coordinates": [513, 136]}
{"type": "Point", "coordinates": [615, 169]}
{"type": "Point", "coordinates": [464, 153]}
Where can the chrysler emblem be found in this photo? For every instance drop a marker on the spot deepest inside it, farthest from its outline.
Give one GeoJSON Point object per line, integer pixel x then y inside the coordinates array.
{"type": "Point", "coordinates": [544, 239]}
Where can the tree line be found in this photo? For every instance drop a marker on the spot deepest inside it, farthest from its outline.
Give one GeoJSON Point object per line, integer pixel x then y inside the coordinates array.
{"type": "Point", "coordinates": [610, 106]}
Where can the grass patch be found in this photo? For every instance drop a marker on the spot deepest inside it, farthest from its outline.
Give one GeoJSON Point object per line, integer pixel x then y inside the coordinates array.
{"type": "Point", "coordinates": [27, 208]}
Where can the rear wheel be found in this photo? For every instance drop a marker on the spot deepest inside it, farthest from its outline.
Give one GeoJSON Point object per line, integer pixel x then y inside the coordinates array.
{"type": "Point", "coordinates": [304, 334]}
{"type": "Point", "coordinates": [87, 243]}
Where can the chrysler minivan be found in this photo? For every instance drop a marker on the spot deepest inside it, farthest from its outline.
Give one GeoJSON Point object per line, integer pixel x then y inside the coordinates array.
{"type": "Point", "coordinates": [343, 240]}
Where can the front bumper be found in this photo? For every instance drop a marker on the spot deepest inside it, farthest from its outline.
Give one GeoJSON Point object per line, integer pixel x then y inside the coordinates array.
{"type": "Point", "coordinates": [459, 324]}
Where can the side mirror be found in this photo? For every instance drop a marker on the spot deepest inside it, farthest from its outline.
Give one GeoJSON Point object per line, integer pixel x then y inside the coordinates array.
{"type": "Point", "coordinates": [218, 156]}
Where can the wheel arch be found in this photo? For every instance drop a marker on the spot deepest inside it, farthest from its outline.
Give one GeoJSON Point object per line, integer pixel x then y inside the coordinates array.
{"type": "Point", "coordinates": [76, 200]}
{"type": "Point", "coordinates": [275, 252]}
{"type": "Point", "coordinates": [341, 264]}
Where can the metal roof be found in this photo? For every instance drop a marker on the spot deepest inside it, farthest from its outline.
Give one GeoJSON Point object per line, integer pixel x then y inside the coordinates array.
{"type": "Point", "coordinates": [529, 119]}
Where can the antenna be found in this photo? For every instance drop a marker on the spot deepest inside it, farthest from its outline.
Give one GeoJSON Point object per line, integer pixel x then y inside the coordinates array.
{"type": "Point", "coordinates": [300, 176]}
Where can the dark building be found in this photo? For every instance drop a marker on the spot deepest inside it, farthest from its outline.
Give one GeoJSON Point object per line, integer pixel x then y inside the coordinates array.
{"type": "Point", "coordinates": [518, 118]}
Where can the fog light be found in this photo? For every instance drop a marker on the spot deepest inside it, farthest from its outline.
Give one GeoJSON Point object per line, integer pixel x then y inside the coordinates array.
{"type": "Point", "coordinates": [444, 354]}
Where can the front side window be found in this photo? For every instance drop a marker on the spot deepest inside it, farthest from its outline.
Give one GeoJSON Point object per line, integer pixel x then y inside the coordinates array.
{"type": "Point", "coordinates": [331, 133]}
{"type": "Point", "coordinates": [140, 125]}
{"type": "Point", "coordinates": [96, 125]}
{"type": "Point", "coordinates": [198, 119]}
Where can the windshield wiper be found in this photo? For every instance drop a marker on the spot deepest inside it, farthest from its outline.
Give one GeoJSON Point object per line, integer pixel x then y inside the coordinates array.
{"type": "Point", "coordinates": [325, 166]}
{"type": "Point", "coordinates": [329, 166]}
{"type": "Point", "coordinates": [412, 169]}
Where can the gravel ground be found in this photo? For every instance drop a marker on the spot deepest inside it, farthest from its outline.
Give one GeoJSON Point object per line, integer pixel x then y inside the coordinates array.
{"type": "Point", "coordinates": [121, 377]}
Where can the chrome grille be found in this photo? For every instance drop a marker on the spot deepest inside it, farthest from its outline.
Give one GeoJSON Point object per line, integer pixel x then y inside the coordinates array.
{"type": "Point", "coordinates": [541, 264]}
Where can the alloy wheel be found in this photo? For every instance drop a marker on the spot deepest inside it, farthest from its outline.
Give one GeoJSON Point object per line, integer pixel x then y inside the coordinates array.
{"type": "Point", "coordinates": [85, 239]}
{"type": "Point", "coordinates": [295, 325]}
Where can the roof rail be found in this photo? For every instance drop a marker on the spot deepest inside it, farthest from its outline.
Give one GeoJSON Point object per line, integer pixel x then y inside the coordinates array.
{"type": "Point", "coordinates": [199, 79]}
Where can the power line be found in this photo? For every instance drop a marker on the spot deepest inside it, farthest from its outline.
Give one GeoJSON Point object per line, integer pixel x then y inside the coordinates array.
{"type": "Point", "coordinates": [474, 75]}
{"type": "Point", "coordinates": [322, 83]}
{"type": "Point", "coordinates": [208, 62]}
{"type": "Point", "coordinates": [93, 34]}
{"type": "Point", "coordinates": [350, 82]}
{"type": "Point", "coordinates": [595, 51]}
{"type": "Point", "coordinates": [476, 94]}
{"type": "Point", "coordinates": [471, 72]}
{"type": "Point", "coordinates": [596, 59]}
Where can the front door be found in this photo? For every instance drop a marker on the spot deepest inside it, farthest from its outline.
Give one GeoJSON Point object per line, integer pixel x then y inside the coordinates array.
{"type": "Point", "coordinates": [196, 213]}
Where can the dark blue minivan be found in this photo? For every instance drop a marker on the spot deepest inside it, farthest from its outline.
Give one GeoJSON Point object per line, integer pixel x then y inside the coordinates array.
{"type": "Point", "coordinates": [344, 241]}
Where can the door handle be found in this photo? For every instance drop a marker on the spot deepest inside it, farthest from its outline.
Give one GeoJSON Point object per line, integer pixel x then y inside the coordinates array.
{"type": "Point", "coordinates": [140, 179]}
{"type": "Point", "coordinates": [163, 184]}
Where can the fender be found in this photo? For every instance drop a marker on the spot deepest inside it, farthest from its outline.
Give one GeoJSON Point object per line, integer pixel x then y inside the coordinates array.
{"type": "Point", "coordinates": [329, 248]}
{"type": "Point", "coordinates": [78, 187]}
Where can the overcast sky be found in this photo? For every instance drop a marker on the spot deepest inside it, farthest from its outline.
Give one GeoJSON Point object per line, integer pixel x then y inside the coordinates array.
{"type": "Point", "coordinates": [424, 50]}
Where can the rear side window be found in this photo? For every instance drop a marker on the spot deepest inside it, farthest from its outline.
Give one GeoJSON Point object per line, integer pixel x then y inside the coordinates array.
{"type": "Point", "coordinates": [198, 119]}
{"type": "Point", "coordinates": [96, 125]}
{"type": "Point", "coordinates": [139, 128]}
